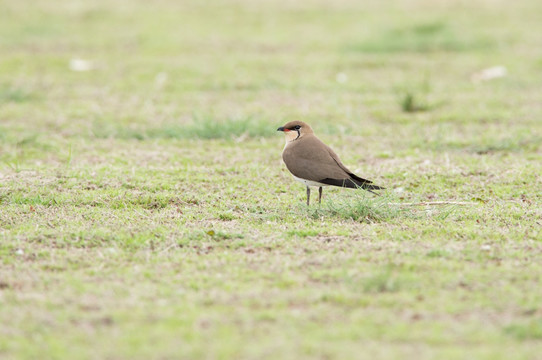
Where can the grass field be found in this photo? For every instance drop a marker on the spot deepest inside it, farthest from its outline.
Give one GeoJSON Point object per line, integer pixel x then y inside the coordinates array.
{"type": "Point", "coordinates": [145, 211]}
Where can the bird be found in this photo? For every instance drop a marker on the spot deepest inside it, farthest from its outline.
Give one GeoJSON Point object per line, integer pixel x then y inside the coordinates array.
{"type": "Point", "coordinates": [313, 163]}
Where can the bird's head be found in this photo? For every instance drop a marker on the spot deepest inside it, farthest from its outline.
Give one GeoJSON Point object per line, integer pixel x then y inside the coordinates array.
{"type": "Point", "coordinates": [295, 130]}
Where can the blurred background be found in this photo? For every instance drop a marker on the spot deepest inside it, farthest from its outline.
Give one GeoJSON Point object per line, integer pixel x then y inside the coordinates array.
{"type": "Point", "coordinates": [439, 73]}
{"type": "Point", "coordinates": [145, 211]}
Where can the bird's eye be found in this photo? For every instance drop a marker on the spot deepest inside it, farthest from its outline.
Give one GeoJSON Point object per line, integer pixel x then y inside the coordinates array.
{"type": "Point", "coordinates": [297, 127]}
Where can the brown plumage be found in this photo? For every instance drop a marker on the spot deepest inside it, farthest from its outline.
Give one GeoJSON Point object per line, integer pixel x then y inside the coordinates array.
{"type": "Point", "coordinates": [313, 163]}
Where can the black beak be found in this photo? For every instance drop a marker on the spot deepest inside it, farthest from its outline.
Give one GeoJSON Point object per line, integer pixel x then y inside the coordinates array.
{"type": "Point", "coordinates": [280, 128]}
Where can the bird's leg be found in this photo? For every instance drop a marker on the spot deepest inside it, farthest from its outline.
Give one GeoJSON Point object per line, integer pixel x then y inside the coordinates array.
{"type": "Point", "coordinates": [308, 195]}
{"type": "Point", "coordinates": [320, 195]}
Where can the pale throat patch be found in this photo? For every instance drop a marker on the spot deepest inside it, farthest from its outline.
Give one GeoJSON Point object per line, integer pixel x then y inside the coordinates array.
{"type": "Point", "coordinates": [290, 136]}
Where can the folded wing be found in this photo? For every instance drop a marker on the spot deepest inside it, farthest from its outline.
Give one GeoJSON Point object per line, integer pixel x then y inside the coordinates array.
{"type": "Point", "coordinates": [315, 161]}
